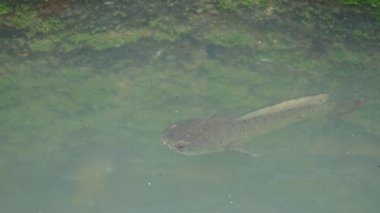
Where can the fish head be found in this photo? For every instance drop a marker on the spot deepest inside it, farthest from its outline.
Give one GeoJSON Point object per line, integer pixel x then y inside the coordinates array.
{"type": "Point", "coordinates": [189, 137]}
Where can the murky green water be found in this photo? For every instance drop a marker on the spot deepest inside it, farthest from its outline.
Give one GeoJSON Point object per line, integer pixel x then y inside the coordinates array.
{"type": "Point", "coordinates": [81, 122]}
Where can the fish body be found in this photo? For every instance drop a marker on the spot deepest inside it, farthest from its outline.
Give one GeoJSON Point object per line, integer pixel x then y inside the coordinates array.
{"type": "Point", "coordinates": [206, 135]}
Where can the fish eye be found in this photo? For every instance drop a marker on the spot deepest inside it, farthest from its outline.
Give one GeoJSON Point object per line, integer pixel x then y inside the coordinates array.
{"type": "Point", "coordinates": [179, 147]}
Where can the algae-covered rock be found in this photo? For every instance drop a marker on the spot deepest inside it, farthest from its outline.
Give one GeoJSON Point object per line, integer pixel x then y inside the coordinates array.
{"type": "Point", "coordinates": [229, 37]}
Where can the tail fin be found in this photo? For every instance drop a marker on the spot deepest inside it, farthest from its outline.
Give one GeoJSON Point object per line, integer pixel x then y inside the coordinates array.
{"type": "Point", "coordinates": [344, 108]}
{"type": "Point", "coordinates": [306, 101]}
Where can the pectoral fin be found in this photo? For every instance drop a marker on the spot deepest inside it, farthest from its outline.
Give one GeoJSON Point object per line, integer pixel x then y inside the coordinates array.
{"type": "Point", "coordinates": [242, 151]}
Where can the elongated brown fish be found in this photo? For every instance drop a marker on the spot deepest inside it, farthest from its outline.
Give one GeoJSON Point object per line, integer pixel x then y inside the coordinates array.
{"type": "Point", "coordinates": [205, 135]}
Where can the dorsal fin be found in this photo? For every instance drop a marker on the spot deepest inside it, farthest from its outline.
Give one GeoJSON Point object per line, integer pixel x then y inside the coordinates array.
{"type": "Point", "coordinates": [286, 105]}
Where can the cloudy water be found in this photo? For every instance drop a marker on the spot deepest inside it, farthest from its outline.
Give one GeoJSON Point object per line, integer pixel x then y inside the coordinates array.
{"type": "Point", "coordinates": [87, 90]}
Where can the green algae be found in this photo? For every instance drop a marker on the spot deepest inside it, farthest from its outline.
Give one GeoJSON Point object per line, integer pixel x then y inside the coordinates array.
{"type": "Point", "coordinates": [4, 9]}
{"type": "Point", "coordinates": [28, 20]}
{"type": "Point", "coordinates": [104, 40]}
{"type": "Point", "coordinates": [233, 5]}
{"type": "Point", "coordinates": [44, 45]}
{"type": "Point", "coordinates": [109, 39]}
{"type": "Point", "coordinates": [228, 37]}
{"type": "Point", "coordinates": [48, 34]}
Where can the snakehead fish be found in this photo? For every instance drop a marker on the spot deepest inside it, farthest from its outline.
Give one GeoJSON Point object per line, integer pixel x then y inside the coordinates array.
{"type": "Point", "coordinates": [216, 134]}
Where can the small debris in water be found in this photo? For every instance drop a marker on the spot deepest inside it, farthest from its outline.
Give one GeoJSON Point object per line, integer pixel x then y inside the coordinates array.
{"type": "Point", "coordinates": [266, 60]}
{"type": "Point", "coordinates": [108, 3]}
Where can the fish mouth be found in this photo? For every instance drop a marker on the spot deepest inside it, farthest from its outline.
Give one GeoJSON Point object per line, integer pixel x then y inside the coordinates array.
{"type": "Point", "coordinates": [172, 145]}
{"type": "Point", "coordinates": [165, 141]}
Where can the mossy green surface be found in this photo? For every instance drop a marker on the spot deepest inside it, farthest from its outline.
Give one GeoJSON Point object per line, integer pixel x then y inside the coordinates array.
{"type": "Point", "coordinates": [111, 39]}
{"type": "Point", "coordinates": [233, 5]}
{"type": "Point", "coordinates": [27, 19]}
{"type": "Point", "coordinates": [4, 9]}
{"type": "Point", "coordinates": [229, 37]}
{"type": "Point", "coordinates": [48, 32]}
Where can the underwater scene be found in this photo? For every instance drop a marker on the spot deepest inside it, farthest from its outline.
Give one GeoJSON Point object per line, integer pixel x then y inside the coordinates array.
{"type": "Point", "coordinates": [173, 106]}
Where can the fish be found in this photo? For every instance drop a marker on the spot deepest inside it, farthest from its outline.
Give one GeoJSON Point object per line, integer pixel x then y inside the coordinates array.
{"type": "Point", "coordinates": [198, 136]}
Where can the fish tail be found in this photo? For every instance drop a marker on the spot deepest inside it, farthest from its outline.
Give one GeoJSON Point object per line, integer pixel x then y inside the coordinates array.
{"type": "Point", "coordinates": [307, 102]}
{"type": "Point", "coordinates": [347, 107]}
